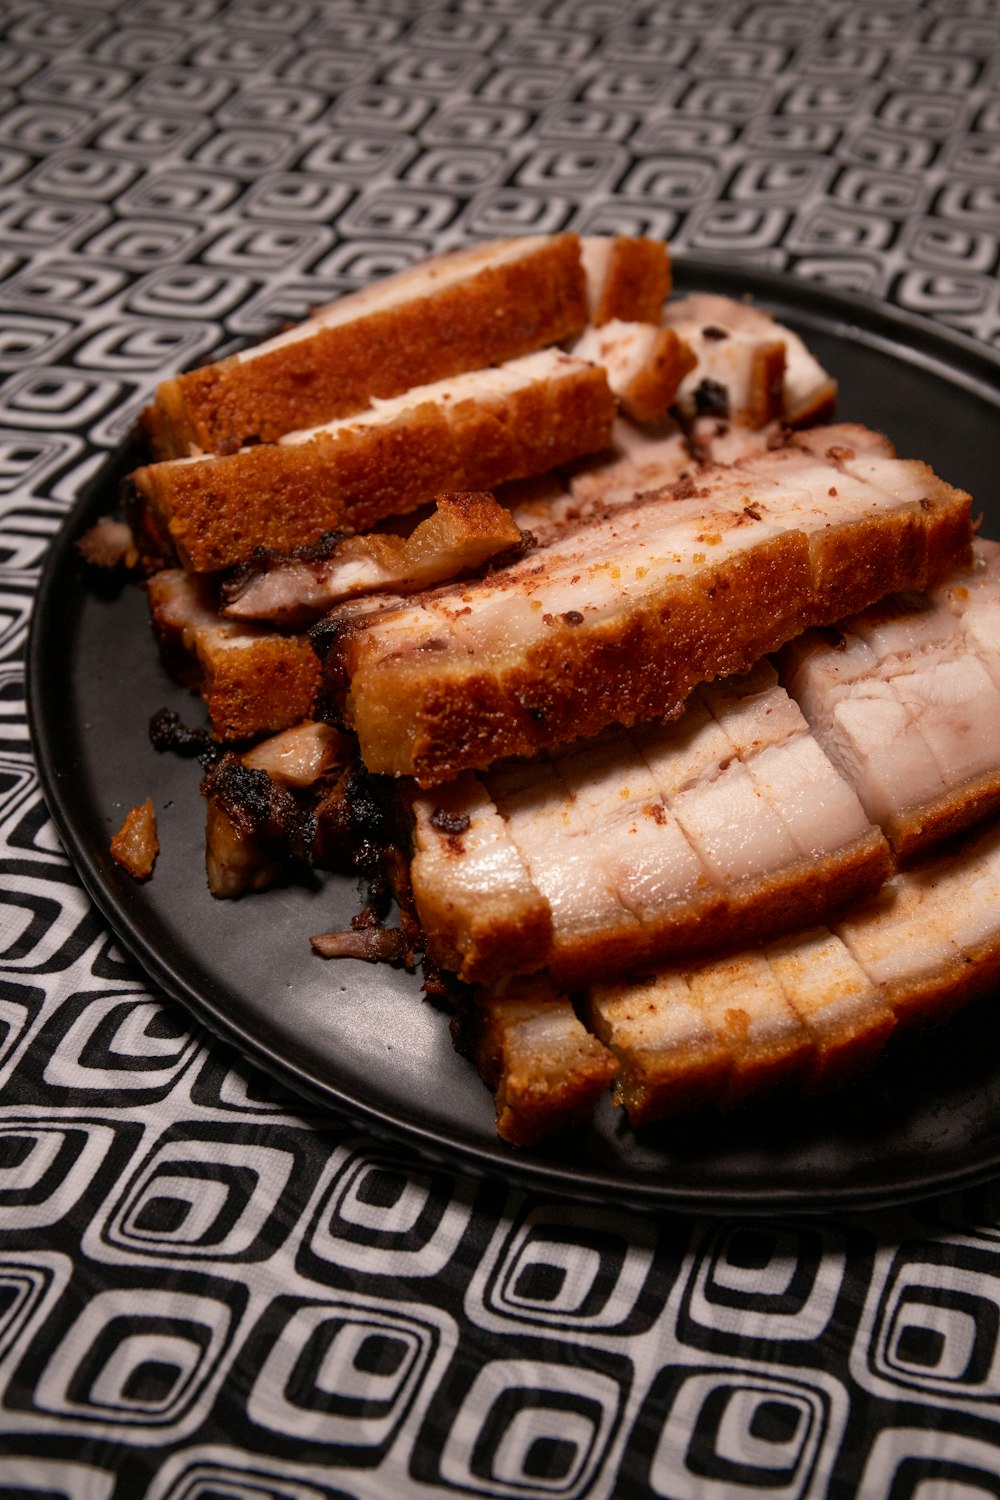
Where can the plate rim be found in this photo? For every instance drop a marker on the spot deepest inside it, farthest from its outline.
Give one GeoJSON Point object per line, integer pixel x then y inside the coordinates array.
{"type": "Point", "coordinates": [965, 361]}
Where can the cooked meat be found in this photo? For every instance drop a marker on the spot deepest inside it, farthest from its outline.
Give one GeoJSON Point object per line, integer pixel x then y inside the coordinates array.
{"type": "Point", "coordinates": [736, 375]}
{"type": "Point", "coordinates": [300, 756]}
{"type": "Point", "coordinates": [109, 543]}
{"type": "Point", "coordinates": [613, 854]}
{"type": "Point", "coordinates": [906, 701]}
{"type": "Point", "coordinates": [254, 681]}
{"type": "Point", "coordinates": [645, 364]}
{"type": "Point", "coordinates": [621, 618]}
{"type": "Point", "coordinates": [474, 307]}
{"type": "Point", "coordinates": [814, 1008]}
{"type": "Point", "coordinates": [465, 531]}
{"type": "Point", "coordinates": [136, 845]}
{"type": "Point", "coordinates": [546, 1070]}
{"type": "Point", "coordinates": [628, 277]}
{"type": "Point", "coordinates": [807, 392]}
{"type": "Point", "coordinates": [467, 433]}
{"type": "Point", "coordinates": [376, 945]}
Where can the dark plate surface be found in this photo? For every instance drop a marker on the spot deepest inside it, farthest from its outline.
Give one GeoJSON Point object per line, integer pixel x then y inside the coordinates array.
{"type": "Point", "coordinates": [361, 1038]}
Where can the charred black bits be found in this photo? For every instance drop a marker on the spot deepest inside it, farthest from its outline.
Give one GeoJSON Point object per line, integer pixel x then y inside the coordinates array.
{"type": "Point", "coordinates": [450, 823]}
{"type": "Point", "coordinates": [713, 331]}
{"type": "Point", "coordinates": [833, 637]}
{"type": "Point", "coordinates": [711, 399]}
{"type": "Point", "coordinates": [168, 732]}
{"type": "Point", "coordinates": [573, 617]}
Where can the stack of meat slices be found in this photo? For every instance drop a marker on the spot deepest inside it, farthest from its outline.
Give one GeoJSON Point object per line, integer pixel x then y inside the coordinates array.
{"type": "Point", "coordinates": [675, 693]}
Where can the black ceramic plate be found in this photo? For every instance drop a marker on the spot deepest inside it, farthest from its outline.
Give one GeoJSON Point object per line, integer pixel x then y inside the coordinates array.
{"type": "Point", "coordinates": [362, 1039]}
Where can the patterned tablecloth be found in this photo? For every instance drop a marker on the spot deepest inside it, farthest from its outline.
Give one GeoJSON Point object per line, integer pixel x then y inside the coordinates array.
{"type": "Point", "coordinates": [207, 1288]}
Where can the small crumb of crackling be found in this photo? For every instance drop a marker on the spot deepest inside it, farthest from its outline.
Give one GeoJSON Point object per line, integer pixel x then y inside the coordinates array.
{"type": "Point", "coordinates": [136, 845]}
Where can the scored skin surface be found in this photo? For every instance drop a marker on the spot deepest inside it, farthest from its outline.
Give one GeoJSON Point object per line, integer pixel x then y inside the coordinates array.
{"type": "Point", "coordinates": [815, 1008]}
{"type": "Point", "coordinates": [729, 824]}
{"type": "Point", "coordinates": [542, 653]}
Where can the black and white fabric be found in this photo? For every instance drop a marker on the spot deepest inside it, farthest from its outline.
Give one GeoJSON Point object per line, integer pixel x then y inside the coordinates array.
{"type": "Point", "coordinates": [209, 1289]}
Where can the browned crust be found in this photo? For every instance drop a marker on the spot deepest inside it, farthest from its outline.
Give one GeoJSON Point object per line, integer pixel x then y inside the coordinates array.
{"type": "Point", "coordinates": [915, 829]}
{"type": "Point", "coordinates": [539, 1089]}
{"type": "Point", "coordinates": [766, 386]}
{"type": "Point", "coordinates": [432, 719]}
{"type": "Point", "coordinates": [752, 910]}
{"type": "Point", "coordinates": [473, 933]}
{"type": "Point", "coordinates": [818, 405]}
{"type": "Point", "coordinates": [286, 496]}
{"type": "Point", "coordinates": [497, 314]}
{"type": "Point", "coordinates": [266, 683]}
{"type": "Point", "coordinates": [636, 284]}
{"type": "Point", "coordinates": [652, 1084]}
{"type": "Point", "coordinates": [651, 391]}
{"type": "Point", "coordinates": [136, 844]}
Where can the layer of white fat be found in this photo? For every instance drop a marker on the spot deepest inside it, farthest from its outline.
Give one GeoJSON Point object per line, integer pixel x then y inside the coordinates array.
{"type": "Point", "coordinates": [822, 813]}
{"type": "Point", "coordinates": [297, 756]}
{"type": "Point", "coordinates": [957, 706]}
{"type": "Point", "coordinates": [621, 349]}
{"type": "Point", "coordinates": [732, 362]}
{"type": "Point", "coordinates": [906, 480]}
{"type": "Point", "coordinates": [595, 255]}
{"type": "Point", "coordinates": [804, 375]}
{"type": "Point", "coordinates": [605, 568]}
{"type": "Point", "coordinates": [908, 930]}
{"type": "Point", "coordinates": [725, 816]}
{"type": "Point", "coordinates": [650, 863]}
{"type": "Point", "coordinates": [641, 463]}
{"type": "Point", "coordinates": [561, 856]}
{"type": "Point", "coordinates": [733, 826]}
{"type": "Point", "coordinates": [769, 733]}
{"type": "Point", "coordinates": [491, 869]}
{"type": "Point", "coordinates": [870, 734]}
{"type": "Point", "coordinates": [973, 600]}
{"type": "Point", "coordinates": [551, 1028]}
{"type": "Point", "coordinates": [661, 1016]}
{"type": "Point", "coordinates": [415, 283]}
{"type": "Point", "coordinates": [744, 990]}
{"type": "Point", "coordinates": [485, 387]}
{"type": "Point", "coordinates": [180, 605]}
{"type": "Point", "coordinates": [823, 982]}
{"type": "Point", "coordinates": [811, 494]}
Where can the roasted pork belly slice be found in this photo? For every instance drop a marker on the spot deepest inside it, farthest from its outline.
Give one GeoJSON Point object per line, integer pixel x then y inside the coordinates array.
{"type": "Point", "coordinates": [643, 844]}
{"type": "Point", "coordinates": [807, 392]}
{"type": "Point", "coordinates": [477, 900]}
{"type": "Point", "coordinates": [930, 938]}
{"type": "Point", "coordinates": [905, 699]}
{"type": "Point", "coordinates": [628, 277]}
{"type": "Point", "coordinates": [734, 375]}
{"type": "Point", "coordinates": [800, 1011]}
{"type": "Point", "coordinates": [253, 680]}
{"type": "Point", "coordinates": [645, 365]}
{"type": "Point", "coordinates": [465, 531]}
{"type": "Point", "coordinates": [462, 311]}
{"type": "Point", "coordinates": [718, 1032]}
{"type": "Point", "coordinates": [619, 619]}
{"type": "Point", "coordinates": [546, 1070]}
{"type": "Point", "coordinates": [469, 433]}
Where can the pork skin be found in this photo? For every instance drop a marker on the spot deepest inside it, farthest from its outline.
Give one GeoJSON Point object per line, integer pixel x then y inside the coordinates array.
{"type": "Point", "coordinates": [456, 312]}
{"type": "Point", "coordinates": [470, 433]}
{"type": "Point", "coordinates": [621, 618]}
